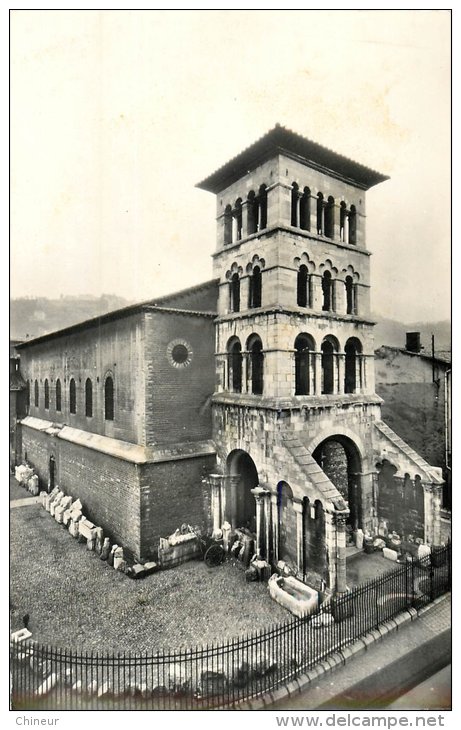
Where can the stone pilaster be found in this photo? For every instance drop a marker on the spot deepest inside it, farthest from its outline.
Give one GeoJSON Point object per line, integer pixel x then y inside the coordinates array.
{"type": "Point", "coordinates": [341, 372]}
{"type": "Point", "coordinates": [298, 508]}
{"type": "Point", "coordinates": [275, 529]}
{"type": "Point", "coordinates": [267, 525]}
{"type": "Point", "coordinates": [340, 520]}
{"type": "Point", "coordinates": [316, 292]}
{"type": "Point", "coordinates": [330, 544]}
{"type": "Point", "coordinates": [318, 373]}
{"type": "Point", "coordinates": [432, 507]}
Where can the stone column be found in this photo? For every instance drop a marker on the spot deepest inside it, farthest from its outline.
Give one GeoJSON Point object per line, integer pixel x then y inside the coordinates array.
{"type": "Point", "coordinates": [437, 506]}
{"type": "Point", "coordinates": [223, 500]}
{"type": "Point", "coordinates": [259, 494]}
{"type": "Point", "coordinates": [330, 544]}
{"type": "Point", "coordinates": [275, 529]}
{"type": "Point", "coordinates": [428, 514]}
{"type": "Point", "coordinates": [341, 552]}
{"type": "Point", "coordinates": [298, 508]}
{"type": "Point", "coordinates": [341, 371]}
{"type": "Point", "coordinates": [214, 482]}
{"type": "Point", "coordinates": [318, 373]}
{"type": "Point", "coordinates": [233, 481]}
{"type": "Point", "coordinates": [267, 525]}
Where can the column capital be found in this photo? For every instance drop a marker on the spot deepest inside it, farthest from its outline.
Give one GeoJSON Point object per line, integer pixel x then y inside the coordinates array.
{"type": "Point", "coordinates": [297, 506]}
{"type": "Point", "coordinates": [259, 493]}
{"type": "Point", "coordinates": [340, 519]}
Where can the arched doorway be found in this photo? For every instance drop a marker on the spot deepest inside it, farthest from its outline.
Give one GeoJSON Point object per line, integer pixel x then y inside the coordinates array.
{"type": "Point", "coordinates": [340, 460]}
{"type": "Point", "coordinates": [241, 465]}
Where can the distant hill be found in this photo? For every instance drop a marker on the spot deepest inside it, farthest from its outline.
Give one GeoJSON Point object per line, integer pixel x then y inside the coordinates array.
{"type": "Point", "coordinates": [391, 332]}
{"type": "Point", "coordinates": [34, 316]}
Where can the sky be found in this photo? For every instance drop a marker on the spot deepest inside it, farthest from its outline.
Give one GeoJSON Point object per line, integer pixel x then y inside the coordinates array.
{"type": "Point", "coordinates": [116, 115]}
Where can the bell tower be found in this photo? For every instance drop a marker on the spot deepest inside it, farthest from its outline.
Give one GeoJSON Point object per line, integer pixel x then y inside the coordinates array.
{"type": "Point", "coordinates": [296, 422]}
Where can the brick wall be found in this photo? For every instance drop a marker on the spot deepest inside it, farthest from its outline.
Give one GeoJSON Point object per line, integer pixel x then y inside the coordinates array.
{"type": "Point", "coordinates": [172, 493]}
{"type": "Point", "coordinates": [178, 398]}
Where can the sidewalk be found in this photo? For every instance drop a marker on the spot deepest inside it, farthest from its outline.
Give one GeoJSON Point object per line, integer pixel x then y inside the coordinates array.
{"type": "Point", "coordinates": [425, 639]}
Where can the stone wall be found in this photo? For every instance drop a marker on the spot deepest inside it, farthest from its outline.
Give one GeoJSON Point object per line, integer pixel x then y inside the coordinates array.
{"type": "Point", "coordinates": [115, 348]}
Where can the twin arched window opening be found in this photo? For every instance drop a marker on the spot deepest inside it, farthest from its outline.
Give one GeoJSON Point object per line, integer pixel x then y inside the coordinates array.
{"type": "Point", "coordinates": [254, 290]}
{"type": "Point", "coordinates": [256, 213]}
{"type": "Point", "coordinates": [305, 357]}
{"type": "Point", "coordinates": [254, 358]}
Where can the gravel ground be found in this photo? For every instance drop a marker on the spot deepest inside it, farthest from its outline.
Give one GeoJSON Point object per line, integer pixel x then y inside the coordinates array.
{"type": "Point", "coordinates": [76, 600]}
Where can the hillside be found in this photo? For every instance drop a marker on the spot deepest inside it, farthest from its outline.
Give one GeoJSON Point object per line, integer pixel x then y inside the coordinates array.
{"type": "Point", "coordinates": [34, 316]}
{"type": "Point", "coordinates": [390, 332]}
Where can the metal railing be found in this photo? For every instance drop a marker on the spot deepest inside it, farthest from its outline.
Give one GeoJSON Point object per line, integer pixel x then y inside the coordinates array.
{"type": "Point", "coordinates": [225, 673]}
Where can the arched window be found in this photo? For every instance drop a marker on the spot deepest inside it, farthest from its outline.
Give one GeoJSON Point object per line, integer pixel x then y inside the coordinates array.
{"type": "Point", "coordinates": [327, 292]}
{"type": "Point", "coordinates": [256, 364]}
{"type": "Point", "coordinates": [235, 293]}
{"type": "Point", "coordinates": [58, 395]}
{"type": "Point", "coordinates": [294, 204]}
{"type": "Point", "coordinates": [255, 288]}
{"type": "Point", "coordinates": [234, 365]}
{"type": "Point", "coordinates": [320, 212]}
{"type": "Point", "coordinates": [47, 394]}
{"type": "Point", "coordinates": [72, 396]}
{"type": "Point", "coordinates": [352, 374]}
{"type": "Point", "coordinates": [351, 296]}
{"type": "Point", "coordinates": [303, 297]}
{"type": "Point", "coordinates": [304, 365]}
{"type": "Point", "coordinates": [329, 365]}
{"type": "Point", "coordinates": [227, 225]}
{"type": "Point", "coordinates": [252, 213]}
{"type": "Point", "coordinates": [330, 218]}
{"type": "Point", "coordinates": [36, 393]}
{"type": "Point", "coordinates": [262, 207]}
{"type": "Point", "coordinates": [305, 210]}
{"type": "Point", "coordinates": [237, 216]}
{"type": "Point", "coordinates": [88, 398]}
{"type": "Point", "coordinates": [353, 225]}
{"type": "Point", "coordinates": [109, 399]}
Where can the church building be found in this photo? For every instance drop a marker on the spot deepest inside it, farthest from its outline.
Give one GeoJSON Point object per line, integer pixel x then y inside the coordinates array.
{"type": "Point", "coordinates": [248, 400]}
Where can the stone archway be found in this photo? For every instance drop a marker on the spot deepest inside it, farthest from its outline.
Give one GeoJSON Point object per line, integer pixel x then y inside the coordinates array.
{"type": "Point", "coordinates": [243, 474]}
{"type": "Point", "coordinates": [340, 459]}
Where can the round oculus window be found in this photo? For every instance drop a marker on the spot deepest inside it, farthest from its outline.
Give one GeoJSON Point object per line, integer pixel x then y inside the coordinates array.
{"type": "Point", "coordinates": [179, 353]}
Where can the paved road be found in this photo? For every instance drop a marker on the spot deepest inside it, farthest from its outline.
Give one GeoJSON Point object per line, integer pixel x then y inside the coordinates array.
{"type": "Point", "coordinates": [433, 693]}
{"type": "Point", "coordinates": [386, 670]}
{"type": "Point", "coordinates": [385, 686]}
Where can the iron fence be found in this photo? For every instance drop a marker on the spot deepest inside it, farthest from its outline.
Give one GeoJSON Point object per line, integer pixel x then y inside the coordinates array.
{"type": "Point", "coordinates": [225, 673]}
